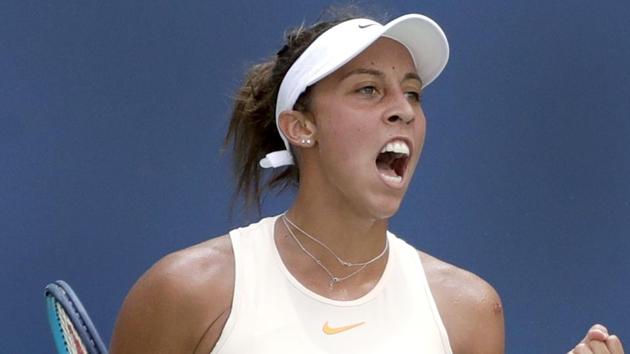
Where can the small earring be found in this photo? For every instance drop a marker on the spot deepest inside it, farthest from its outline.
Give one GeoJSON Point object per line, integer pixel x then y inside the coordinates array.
{"type": "Point", "coordinates": [306, 141]}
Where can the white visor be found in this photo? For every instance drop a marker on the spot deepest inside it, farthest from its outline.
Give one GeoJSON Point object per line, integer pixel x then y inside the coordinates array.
{"type": "Point", "coordinates": [424, 39]}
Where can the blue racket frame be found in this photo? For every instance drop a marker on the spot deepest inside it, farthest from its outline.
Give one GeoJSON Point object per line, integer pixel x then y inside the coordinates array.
{"type": "Point", "coordinates": [60, 292]}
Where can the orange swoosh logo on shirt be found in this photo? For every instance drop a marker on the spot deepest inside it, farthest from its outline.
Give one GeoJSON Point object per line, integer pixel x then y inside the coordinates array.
{"type": "Point", "coordinates": [334, 330]}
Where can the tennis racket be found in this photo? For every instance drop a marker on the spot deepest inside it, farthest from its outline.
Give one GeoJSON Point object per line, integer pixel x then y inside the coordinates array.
{"type": "Point", "coordinates": [72, 328]}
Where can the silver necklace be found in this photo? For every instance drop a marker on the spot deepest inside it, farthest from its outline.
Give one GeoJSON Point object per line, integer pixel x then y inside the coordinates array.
{"type": "Point", "coordinates": [333, 279]}
{"type": "Point", "coordinates": [339, 259]}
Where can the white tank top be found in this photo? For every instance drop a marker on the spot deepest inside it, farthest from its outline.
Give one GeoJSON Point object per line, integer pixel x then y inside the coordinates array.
{"type": "Point", "coordinates": [272, 312]}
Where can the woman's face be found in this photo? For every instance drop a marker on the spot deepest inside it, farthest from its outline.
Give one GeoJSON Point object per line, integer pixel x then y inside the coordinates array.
{"type": "Point", "coordinates": [370, 129]}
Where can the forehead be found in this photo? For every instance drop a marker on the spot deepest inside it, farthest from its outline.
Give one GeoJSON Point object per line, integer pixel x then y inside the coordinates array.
{"type": "Point", "coordinates": [385, 54]}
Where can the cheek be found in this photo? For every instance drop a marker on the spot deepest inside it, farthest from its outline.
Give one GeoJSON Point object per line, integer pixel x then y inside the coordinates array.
{"type": "Point", "coordinates": [421, 132]}
{"type": "Point", "coordinates": [343, 137]}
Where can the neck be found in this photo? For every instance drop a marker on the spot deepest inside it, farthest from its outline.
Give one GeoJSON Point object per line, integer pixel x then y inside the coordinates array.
{"type": "Point", "coordinates": [350, 235]}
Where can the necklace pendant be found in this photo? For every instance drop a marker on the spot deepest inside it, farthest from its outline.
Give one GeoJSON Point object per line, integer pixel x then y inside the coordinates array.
{"type": "Point", "coordinates": [333, 281]}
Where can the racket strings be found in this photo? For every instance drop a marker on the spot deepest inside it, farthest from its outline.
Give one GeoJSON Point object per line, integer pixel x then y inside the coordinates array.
{"type": "Point", "coordinates": [56, 326]}
{"type": "Point", "coordinates": [73, 341]}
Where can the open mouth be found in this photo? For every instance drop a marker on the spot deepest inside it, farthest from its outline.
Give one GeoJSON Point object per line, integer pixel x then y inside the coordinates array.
{"type": "Point", "coordinates": [392, 161]}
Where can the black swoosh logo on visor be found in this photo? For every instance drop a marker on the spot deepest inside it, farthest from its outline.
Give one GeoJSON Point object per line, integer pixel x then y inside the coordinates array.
{"type": "Point", "coordinates": [365, 26]}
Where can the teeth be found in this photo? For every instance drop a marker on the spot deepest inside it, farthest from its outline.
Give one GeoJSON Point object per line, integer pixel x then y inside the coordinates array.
{"type": "Point", "coordinates": [397, 146]}
{"type": "Point", "coordinates": [395, 179]}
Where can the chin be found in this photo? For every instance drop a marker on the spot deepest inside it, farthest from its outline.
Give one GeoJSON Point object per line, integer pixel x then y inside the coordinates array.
{"type": "Point", "coordinates": [384, 208]}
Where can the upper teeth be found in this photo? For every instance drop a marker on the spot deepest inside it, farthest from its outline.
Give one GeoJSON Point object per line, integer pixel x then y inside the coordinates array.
{"type": "Point", "coordinates": [399, 147]}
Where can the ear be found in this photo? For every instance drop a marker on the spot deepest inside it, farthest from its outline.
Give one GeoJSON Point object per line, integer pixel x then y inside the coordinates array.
{"type": "Point", "coordinates": [298, 128]}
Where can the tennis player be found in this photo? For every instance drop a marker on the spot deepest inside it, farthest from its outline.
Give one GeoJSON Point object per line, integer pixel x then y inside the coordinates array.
{"type": "Point", "coordinates": [337, 113]}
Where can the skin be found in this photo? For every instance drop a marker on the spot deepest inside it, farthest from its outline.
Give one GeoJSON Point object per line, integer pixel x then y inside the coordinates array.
{"type": "Point", "coordinates": [598, 341]}
{"type": "Point", "coordinates": [182, 303]}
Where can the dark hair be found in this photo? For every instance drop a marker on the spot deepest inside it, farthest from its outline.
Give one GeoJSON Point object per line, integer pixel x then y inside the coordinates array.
{"type": "Point", "coordinates": [252, 130]}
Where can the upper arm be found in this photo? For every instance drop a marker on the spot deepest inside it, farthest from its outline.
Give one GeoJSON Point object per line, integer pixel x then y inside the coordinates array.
{"type": "Point", "coordinates": [171, 307]}
{"type": "Point", "coordinates": [486, 333]}
{"type": "Point", "coordinates": [470, 308]}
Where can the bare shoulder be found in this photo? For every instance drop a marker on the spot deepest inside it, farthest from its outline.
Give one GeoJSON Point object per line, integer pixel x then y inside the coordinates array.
{"type": "Point", "coordinates": [470, 307]}
{"type": "Point", "coordinates": [454, 283]}
{"type": "Point", "coordinates": [180, 304]}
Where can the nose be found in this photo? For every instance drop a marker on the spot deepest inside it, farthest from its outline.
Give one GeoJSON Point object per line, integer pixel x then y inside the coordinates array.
{"type": "Point", "coordinates": [400, 110]}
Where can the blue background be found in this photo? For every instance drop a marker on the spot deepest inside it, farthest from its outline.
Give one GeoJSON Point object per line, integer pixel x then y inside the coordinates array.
{"type": "Point", "coordinates": [112, 115]}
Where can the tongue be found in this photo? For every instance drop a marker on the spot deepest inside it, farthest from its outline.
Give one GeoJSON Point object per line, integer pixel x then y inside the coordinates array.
{"type": "Point", "coordinates": [385, 169]}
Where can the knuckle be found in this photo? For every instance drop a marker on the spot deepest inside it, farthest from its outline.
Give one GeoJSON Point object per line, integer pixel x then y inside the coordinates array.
{"type": "Point", "coordinates": [600, 327]}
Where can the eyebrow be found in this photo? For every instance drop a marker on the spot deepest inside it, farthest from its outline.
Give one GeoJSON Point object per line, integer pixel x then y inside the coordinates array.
{"type": "Point", "coordinates": [413, 76]}
{"type": "Point", "coordinates": [378, 73]}
{"type": "Point", "coordinates": [362, 71]}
